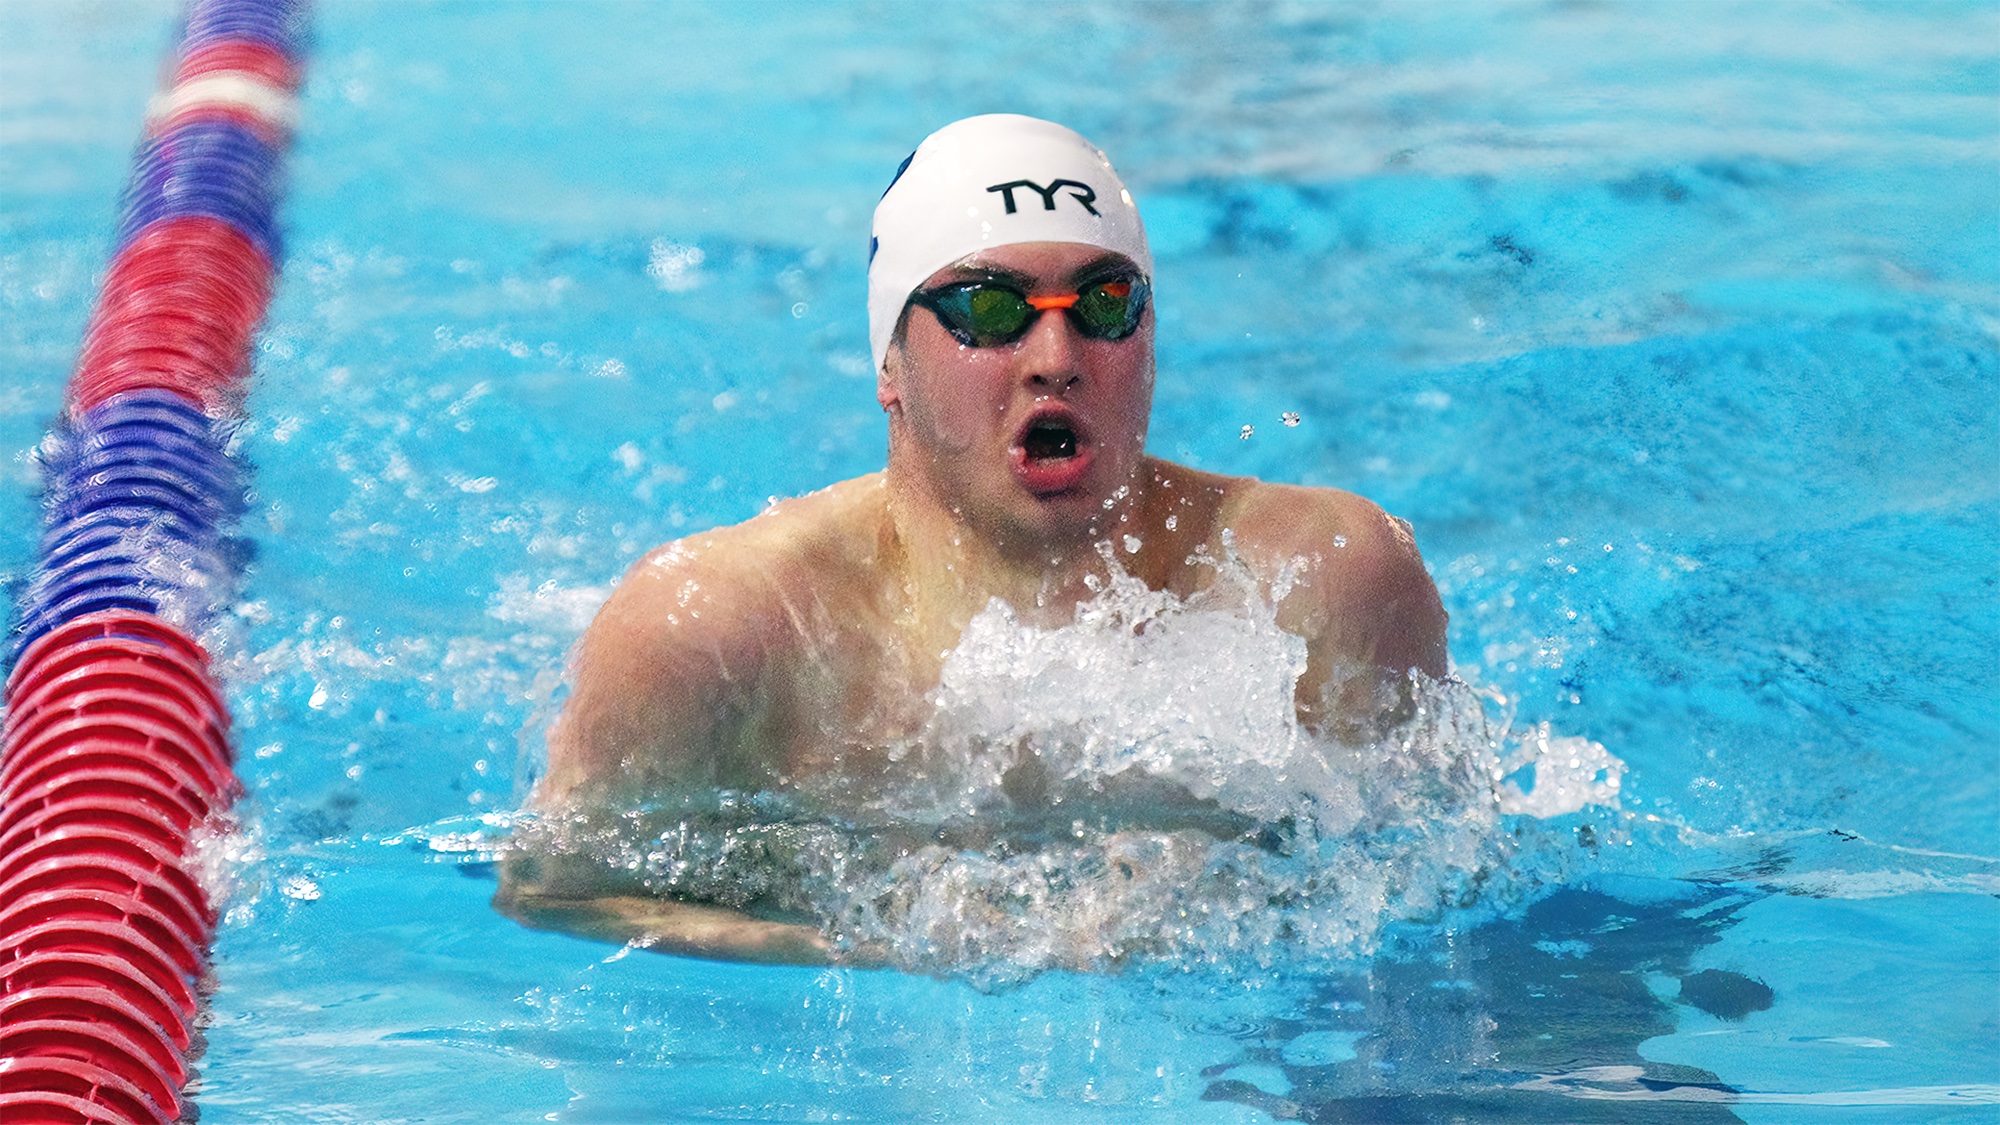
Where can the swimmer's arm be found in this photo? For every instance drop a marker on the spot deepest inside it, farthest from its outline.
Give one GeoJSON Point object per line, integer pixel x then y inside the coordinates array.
{"type": "Point", "coordinates": [666, 684]}
{"type": "Point", "coordinates": [667, 689]}
{"type": "Point", "coordinates": [663, 925]}
{"type": "Point", "coordinates": [1394, 617]}
{"type": "Point", "coordinates": [1360, 597]}
{"type": "Point", "coordinates": [572, 892]}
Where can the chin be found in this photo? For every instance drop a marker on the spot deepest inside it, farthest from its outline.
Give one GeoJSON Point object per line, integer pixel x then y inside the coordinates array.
{"type": "Point", "coordinates": [1068, 518]}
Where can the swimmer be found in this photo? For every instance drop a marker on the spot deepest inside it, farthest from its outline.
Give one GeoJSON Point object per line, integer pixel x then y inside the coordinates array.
{"type": "Point", "coordinates": [1011, 324]}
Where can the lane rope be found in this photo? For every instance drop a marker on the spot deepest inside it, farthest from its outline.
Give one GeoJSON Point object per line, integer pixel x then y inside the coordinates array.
{"type": "Point", "coordinates": [116, 752]}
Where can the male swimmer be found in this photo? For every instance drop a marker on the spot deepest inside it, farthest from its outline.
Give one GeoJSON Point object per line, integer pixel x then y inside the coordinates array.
{"type": "Point", "coordinates": [1010, 317]}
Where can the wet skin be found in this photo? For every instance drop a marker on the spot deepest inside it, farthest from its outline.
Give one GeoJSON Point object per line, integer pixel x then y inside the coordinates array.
{"type": "Point", "coordinates": [792, 650]}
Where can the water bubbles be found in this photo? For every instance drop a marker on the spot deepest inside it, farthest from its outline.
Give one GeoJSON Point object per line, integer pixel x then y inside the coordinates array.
{"type": "Point", "coordinates": [226, 858]}
{"type": "Point", "coordinates": [1568, 773]}
{"type": "Point", "coordinates": [675, 266]}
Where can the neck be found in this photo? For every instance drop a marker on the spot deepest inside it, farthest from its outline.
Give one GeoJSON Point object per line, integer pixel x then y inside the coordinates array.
{"type": "Point", "coordinates": [954, 565]}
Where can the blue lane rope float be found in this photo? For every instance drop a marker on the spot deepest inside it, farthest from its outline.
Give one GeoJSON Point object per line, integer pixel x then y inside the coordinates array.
{"type": "Point", "coordinates": [215, 168]}
{"type": "Point", "coordinates": [116, 750]}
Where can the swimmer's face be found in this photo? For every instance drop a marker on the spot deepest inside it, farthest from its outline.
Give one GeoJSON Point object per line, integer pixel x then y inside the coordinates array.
{"type": "Point", "coordinates": [1032, 436]}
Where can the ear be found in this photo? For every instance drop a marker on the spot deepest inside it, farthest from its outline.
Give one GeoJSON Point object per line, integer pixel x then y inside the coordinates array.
{"type": "Point", "coordinates": [889, 381]}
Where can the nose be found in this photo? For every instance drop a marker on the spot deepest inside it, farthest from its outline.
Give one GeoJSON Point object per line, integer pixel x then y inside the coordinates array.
{"type": "Point", "coordinates": [1049, 355]}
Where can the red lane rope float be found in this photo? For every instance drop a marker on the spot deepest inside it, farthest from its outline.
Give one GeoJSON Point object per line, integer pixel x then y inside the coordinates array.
{"type": "Point", "coordinates": [80, 903]}
{"type": "Point", "coordinates": [101, 660]}
{"type": "Point", "coordinates": [137, 822]}
{"type": "Point", "coordinates": [121, 686]}
{"type": "Point", "coordinates": [167, 789]}
{"type": "Point", "coordinates": [122, 858]}
{"type": "Point", "coordinates": [116, 737]}
{"type": "Point", "coordinates": [131, 626]}
{"type": "Point", "coordinates": [68, 968]}
{"type": "Point", "coordinates": [245, 57]}
{"type": "Point", "coordinates": [122, 739]}
{"type": "Point", "coordinates": [51, 1089]}
{"type": "Point", "coordinates": [50, 1008]}
{"type": "Point", "coordinates": [112, 788]}
{"type": "Point", "coordinates": [122, 944]}
{"type": "Point", "coordinates": [107, 1045]}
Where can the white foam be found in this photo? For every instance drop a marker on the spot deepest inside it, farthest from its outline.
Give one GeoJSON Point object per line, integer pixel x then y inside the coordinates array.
{"type": "Point", "coordinates": [227, 858]}
{"type": "Point", "coordinates": [1197, 693]}
{"type": "Point", "coordinates": [550, 605]}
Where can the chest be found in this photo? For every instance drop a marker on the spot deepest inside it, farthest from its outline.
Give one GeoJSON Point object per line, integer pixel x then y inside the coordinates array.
{"type": "Point", "coordinates": [852, 693]}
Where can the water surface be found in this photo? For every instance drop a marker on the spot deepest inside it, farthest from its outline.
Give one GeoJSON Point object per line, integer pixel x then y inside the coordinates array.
{"type": "Point", "coordinates": [1671, 328]}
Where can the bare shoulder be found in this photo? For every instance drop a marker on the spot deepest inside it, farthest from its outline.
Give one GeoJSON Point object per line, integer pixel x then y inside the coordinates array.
{"type": "Point", "coordinates": [835, 527]}
{"type": "Point", "coordinates": [1323, 528]}
{"type": "Point", "coordinates": [721, 585]}
{"type": "Point", "coordinates": [1357, 583]}
{"type": "Point", "coordinates": [676, 667]}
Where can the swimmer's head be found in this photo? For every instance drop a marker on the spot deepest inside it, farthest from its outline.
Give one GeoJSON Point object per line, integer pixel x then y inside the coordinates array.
{"type": "Point", "coordinates": [988, 181]}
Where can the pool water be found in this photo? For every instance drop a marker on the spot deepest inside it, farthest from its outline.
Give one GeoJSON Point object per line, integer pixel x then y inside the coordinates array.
{"type": "Point", "coordinates": [1673, 329]}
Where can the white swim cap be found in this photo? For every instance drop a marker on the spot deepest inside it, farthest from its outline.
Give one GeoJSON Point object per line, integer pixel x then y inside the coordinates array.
{"type": "Point", "coordinates": [988, 181]}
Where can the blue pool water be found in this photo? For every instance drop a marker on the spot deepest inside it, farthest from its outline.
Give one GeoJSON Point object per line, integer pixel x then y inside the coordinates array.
{"type": "Point", "coordinates": [1672, 329]}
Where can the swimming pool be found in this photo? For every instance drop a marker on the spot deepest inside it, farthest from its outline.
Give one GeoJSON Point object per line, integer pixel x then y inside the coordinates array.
{"type": "Point", "coordinates": [1674, 337]}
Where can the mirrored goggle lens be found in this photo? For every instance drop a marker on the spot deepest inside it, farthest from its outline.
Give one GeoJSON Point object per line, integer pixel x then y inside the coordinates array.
{"type": "Point", "coordinates": [1109, 310]}
{"type": "Point", "coordinates": [991, 315]}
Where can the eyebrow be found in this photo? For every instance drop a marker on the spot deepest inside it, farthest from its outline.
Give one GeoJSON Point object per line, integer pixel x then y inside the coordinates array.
{"type": "Point", "coordinates": [1109, 262]}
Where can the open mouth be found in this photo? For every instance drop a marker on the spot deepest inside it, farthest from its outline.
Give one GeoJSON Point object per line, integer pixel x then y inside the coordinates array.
{"type": "Point", "coordinates": [1049, 439]}
{"type": "Point", "coordinates": [1053, 454]}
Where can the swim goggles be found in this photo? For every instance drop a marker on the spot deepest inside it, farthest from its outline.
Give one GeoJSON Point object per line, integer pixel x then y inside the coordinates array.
{"type": "Point", "coordinates": [989, 314]}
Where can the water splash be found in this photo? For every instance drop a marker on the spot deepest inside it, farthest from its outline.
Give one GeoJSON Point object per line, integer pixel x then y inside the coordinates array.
{"type": "Point", "coordinates": [228, 861]}
{"type": "Point", "coordinates": [1132, 787]}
